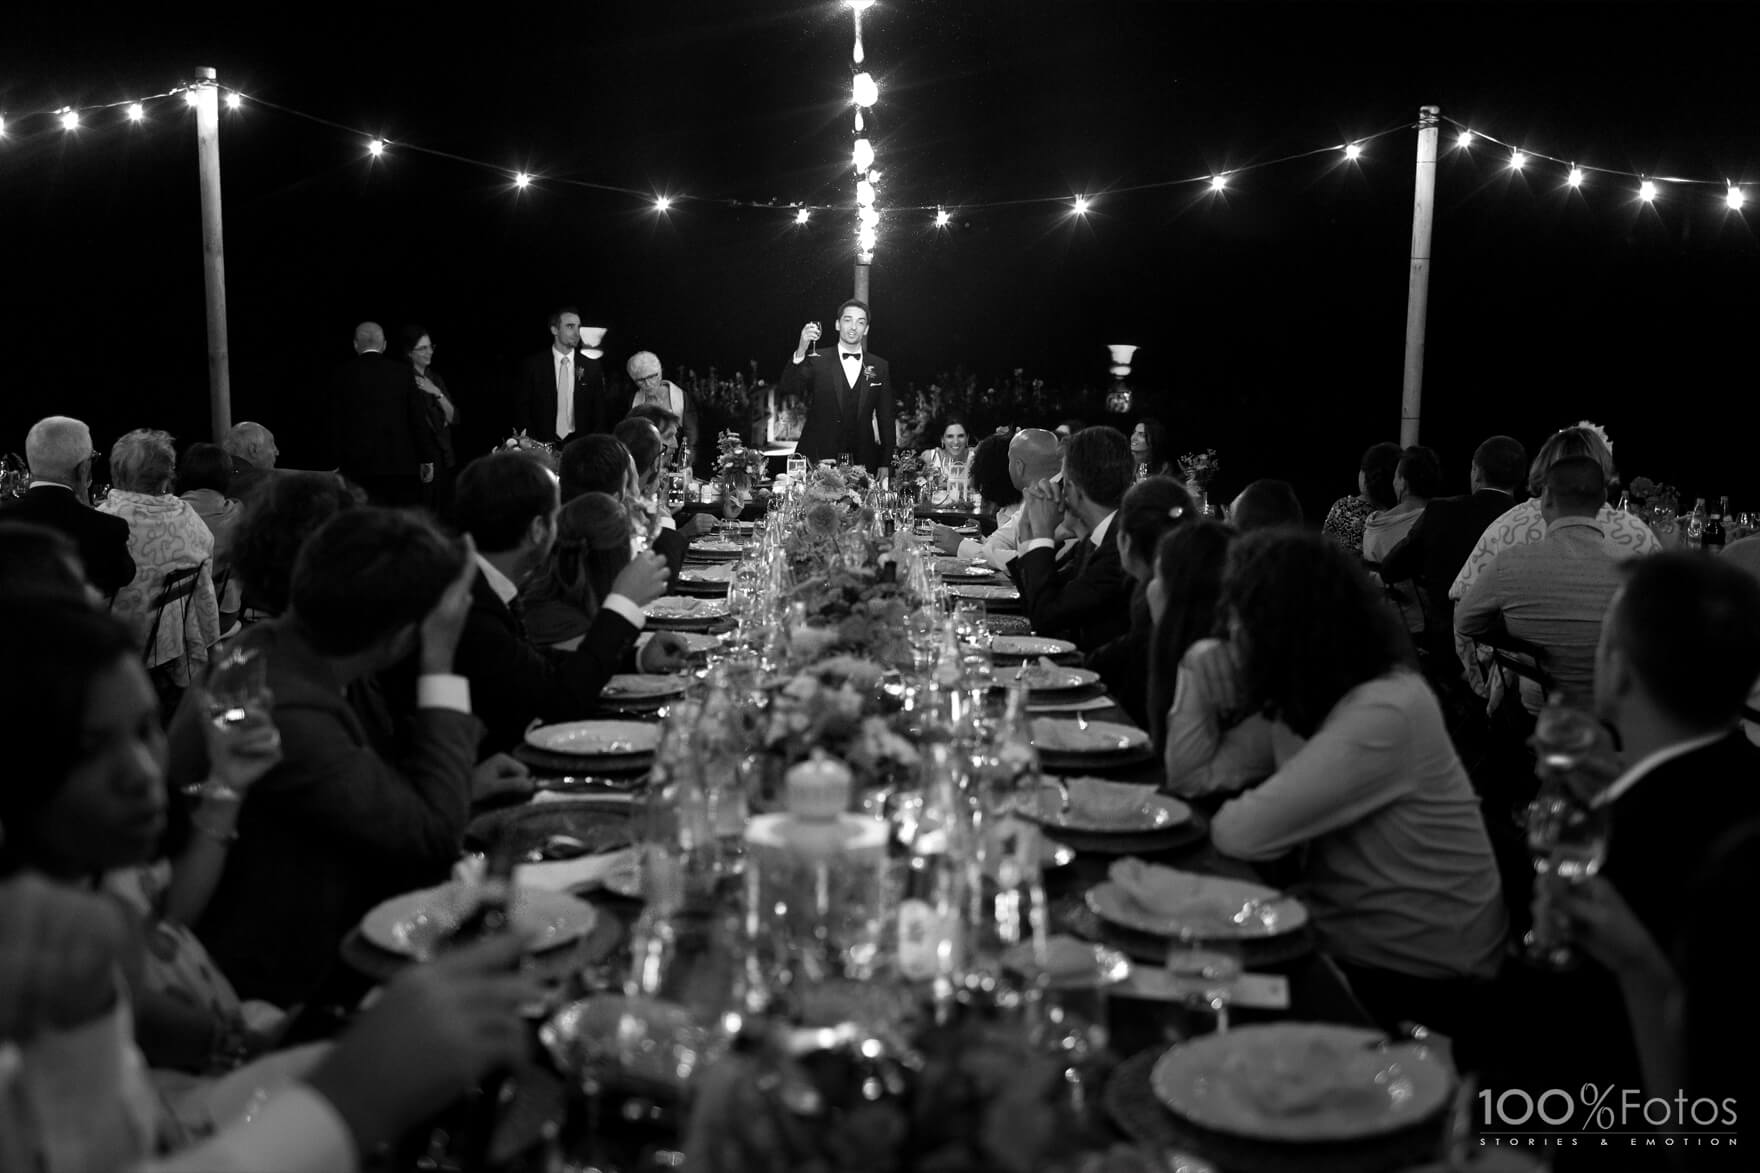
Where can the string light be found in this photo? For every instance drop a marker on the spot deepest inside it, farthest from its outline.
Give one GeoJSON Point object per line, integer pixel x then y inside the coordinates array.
{"type": "Point", "coordinates": [1465, 141]}
{"type": "Point", "coordinates": [1218, 182]}
{"type": "Point", "coordinates": [1575, 178]}
{"type": "Point", "coordinates": [942, 217]}
{"type": "Point", "coordinates": [1647, 191]}
{"type": "Point", "coordinates": [864, 154]}
{"type": "Point", "coordinates": [136, 111]}
{"type": "Point", "coordinates": [376, 147]}
{"type": "Point", "coordinates": [864, 192]}
{"type": "Point", "coordinates": [2, 127]}
{"type": "Point", "coordinates": [1081, 205]}
{"type": "Point", "coordinates": [801, 216]}
{"type": "Point", "coordinates": [866, 93]}
{"type": "Point", "coordinates": [1517, 160]}
{"type": "Point", "coordinates": [234, 100]}
{"type": "Point", "coordinates": [1353, 151]}
{"type": "Point", "coordinates": [190, 97]}
{"type": "Point", "coordinates": [69, 119]}
{"type": "Point", "coordinates": [1735, 198]}
{"type": "Point", "coordinates": [662, 203]}
{"type": "Point", "coordinates": [521, 180]}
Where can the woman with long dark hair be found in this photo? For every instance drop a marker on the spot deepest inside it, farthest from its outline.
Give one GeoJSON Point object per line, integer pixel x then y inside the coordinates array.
{"type": "Point", "coordinates": [1149, 450]}
{"type": "Point", "coordinates": [1396, 866]}
{"type": "Point", "coordinates": [592, 548]}
{"type": "Point", "coordinates": [442, 413]}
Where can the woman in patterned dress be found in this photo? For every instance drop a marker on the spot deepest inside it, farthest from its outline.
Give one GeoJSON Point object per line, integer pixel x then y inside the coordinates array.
{"type": "Point", "coordinates": [1344, 521]}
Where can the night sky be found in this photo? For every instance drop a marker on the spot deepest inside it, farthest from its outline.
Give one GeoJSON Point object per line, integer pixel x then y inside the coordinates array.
{"type": "Point", "coordinates": [1271, 318]}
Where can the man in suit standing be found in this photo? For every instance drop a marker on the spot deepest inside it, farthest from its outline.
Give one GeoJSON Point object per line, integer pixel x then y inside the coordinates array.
{"type": "Point", "coordinates": [59, 452]}
{"type": "Point", "coordinates": [564, 391]}
{"type": "Point", "coordinates": [848, 395]}
{"type": "Point", "coordinates": [383, 442]}
{"type": "Point", "coordinates": [1444, 535]}
{"type": "Point", "coordinates": [1087, 598]}
{"type": "Point", "coordinates": [253, 452]}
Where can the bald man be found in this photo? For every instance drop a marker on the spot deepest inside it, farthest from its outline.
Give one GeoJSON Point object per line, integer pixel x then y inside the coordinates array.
{"type": "Point", "coordinates": [383, 442]}
{"type": "Point", "coordinates": [1033, 455]}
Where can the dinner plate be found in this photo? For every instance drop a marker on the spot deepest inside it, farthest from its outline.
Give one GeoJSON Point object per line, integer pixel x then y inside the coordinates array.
{"type": "Point", "coordinates": [1111, 810]}
{"type": "Point", "coordinates": [671, 609]}
{"type": "Point", "coordinates": [714, 549]}
{"type": "Point", "coordinates": [1301, 1082]}
{"type": "Point", "coordinates": [988, 592]}
{"type": "Point", "coordinates": [1041, 678]}
{"type": "Point", "coordinates": [720, 572]}
{"type": "Point", "coordinates": [1030, 645]}
{"type": "Point", "coordinates": [413, 923]}
{"type": "Point", "coordinates": [1099, 739]}
{"type": "Point", "coordinates": [697, 642]}
{"type": "Point", "coordinates": [955, 569]}
{"type": "Point", "coordinates": [596, 738]}
{"type": "Point", "coordinates": [631, 687]}
{"type": "Point", "coordinates": [1207, 913]}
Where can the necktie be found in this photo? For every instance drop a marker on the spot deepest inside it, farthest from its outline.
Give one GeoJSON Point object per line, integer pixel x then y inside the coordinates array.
{"type": "Point", "coordinates": [564, 397]}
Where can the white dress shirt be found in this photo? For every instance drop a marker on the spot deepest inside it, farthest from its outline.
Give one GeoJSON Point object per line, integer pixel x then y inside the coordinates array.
{"type": "Point", "coordinates": [1097, 536]}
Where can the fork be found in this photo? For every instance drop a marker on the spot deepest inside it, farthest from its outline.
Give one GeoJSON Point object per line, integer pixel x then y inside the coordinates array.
{"type": "Point", "coordinates": [1081, 721]}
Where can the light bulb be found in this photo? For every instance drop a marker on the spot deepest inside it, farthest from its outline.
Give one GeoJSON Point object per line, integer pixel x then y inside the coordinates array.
{"type": "Point", "coordinates": [1465, 141]}
{"type": "Point", "coordinates": [943, 217]}
{"type": "Point", "coordinates": [864, 154]}
{"type": "Point", "coordinates": [859, 5]}
{"type": "Point", "coordinates": [866, 92]}
{"type": "Point", "coordinates": [867, 238]}
{"type": "Point", "coordinates": [864, 192]}
{"type": "Point", "coordinates": [1736, 198]}
{"type": "Point", "coordinates": [234, 100]}
{"type": "Point", "coordinates": [521, 179]}
{"type": "Point", "coordinates": [190, 97]}
{"type": "Point", "coordinates": [1218, 182]}
{"type": "Point", "coordinates": [136, 111]}
{"type": "Point", "coordinates": [1353, 150]}
{"type": "Point", "coordinates": [1517, 160]}
{"type": "Point", "coordinates": [801, 216]}
{"type": "Point", "coordinates": [1081, 206]}
{"type": "Point", "coordinates": [868, 217]}
{"type": "Point", "coordinates": [1575, 178]}
{"type": "Point", "coordinates": [376, 147]}
{"type": "Point", "coordinates": [662, 203]}
{"type": "Point", "coordinates": [70, 120]}
{"type": "Point", "coordinates": [1646, 191]}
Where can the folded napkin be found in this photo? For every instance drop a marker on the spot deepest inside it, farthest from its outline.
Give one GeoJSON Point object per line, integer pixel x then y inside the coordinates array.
{"type": "Point", "coordinates": [1069, 737]}
{"type": "Point", "coordinates": [1176, 895]}
{"type": "Point", "coordinates": [1065, 957]}
{"type": "Point", "coordinates": [606, 870]}
{"type": "Point", "coordinates": [1099, 800]}
{"type": "Point", "coordinates": [1092, 704]}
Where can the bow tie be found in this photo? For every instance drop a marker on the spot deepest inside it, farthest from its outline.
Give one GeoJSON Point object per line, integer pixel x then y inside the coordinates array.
{"type": "Point", "coordinates": [847, 356]}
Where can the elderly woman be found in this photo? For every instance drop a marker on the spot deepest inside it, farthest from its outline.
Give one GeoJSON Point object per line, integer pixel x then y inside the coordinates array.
{"type": "Point", "coordinates": [1523, 524]}
{"type": "Point", "coordinates": [165, 535]}
{"type": "Point", "coordinates": [949, 466]}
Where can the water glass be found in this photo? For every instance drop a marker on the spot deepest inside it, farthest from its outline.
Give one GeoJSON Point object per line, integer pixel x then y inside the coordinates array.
{"type": "Point", "coordinates": [237, 702]}
{"type": "Point", "coordinates": [1203, 973]}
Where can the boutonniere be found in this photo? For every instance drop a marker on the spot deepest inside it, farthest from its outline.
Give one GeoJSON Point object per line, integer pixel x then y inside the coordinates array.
{"type": "Point", "coordinates": [868, 371]}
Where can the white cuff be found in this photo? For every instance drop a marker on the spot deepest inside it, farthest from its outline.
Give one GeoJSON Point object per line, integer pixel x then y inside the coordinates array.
{"type": "Point", "coordinates": [667, 521]}
{"type": "Point", "coordinates": [443, 692]}
{"type": "Point", "coordinates": [625, 606]}
{"type": "Point", "coordinates": [1036, 544]}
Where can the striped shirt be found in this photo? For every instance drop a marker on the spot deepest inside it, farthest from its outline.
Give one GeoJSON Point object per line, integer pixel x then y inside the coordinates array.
{"type": "Point", "coordinates": [1554, 594]}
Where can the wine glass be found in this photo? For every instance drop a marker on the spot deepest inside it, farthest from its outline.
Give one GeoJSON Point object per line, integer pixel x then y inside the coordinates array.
{"type": "Point", "coordinates": [1203, 973]}
{"type": "Point", "coordinates": [1567, 840]}
{"type": "Point", "coordinates": [237, 700]}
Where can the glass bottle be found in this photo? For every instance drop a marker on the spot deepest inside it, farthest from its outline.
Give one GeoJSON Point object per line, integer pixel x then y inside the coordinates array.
{"type": "Point", "coordinates": [1696, 523]}
{"type": "Point", "coordinates": [1714, 531]}
{"type": "Point", "coordinates": [480, 1113]}
{"type": "Point", "coordinates": [932, 903]}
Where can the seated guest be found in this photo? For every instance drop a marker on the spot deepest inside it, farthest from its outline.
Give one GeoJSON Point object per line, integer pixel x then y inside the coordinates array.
{"type": "Point", "coordinates": [253, 452]}
{"type": "Point", "coordinates": [165, 534]}
{"type": "Point", "coordinates": [996, 491]}
{"type": "Point", "coordinates": [582, 568]}
{"type": "Point", "coordinates": [1552, 594]}
{"type": "Point", "coordinates": [653, 524]}
{"type": "Point", "coordinates": [948, 467]}
{"type": "Point", "coordinates": [1033, 455]}
{"type": "Point", "coordinates": [1416, 479]}
{"type": "Point", "coordinates": [36, 560]}
{"type": "Point", "coordinates": [357, 810]}
{"type": "Point", "coordinates": [1066, 430]}
{"type": "Point", "coordinates": [597, 463]}
{"type": "Point", "coordinates": [202, 480]}
{"type": "Point", "coordinates": [60, 454]}
{"type": "Point", "coordinates": [666, 424]}
{"type": "Point", "coordinates": [1522, 523]}
{"type": "Point", "coordinates": [272, 527]}
{"type": "Point", "coordinates": [1211, 744]}
{"type": "Point", "coordinates": [1434, 549]}
{"type": "Point", "coordinates": [1396, 869]}
{"type": "Point", "coordinates": [1344, 521]}
{"type": "Point", "coordinates": [1087, 600]}
{"type": "Point", "coordinates": [507, 503]}
{"type": "Point", "coordinates": [1264, 504]}
{"type": "Point", "coordinates": [1149, 450]}
{"type": "Point", "coordinates": [1151, 508]}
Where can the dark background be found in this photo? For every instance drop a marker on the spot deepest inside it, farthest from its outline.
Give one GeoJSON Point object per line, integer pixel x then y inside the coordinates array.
{"type": "Point", "coordinates": [1271, 319]}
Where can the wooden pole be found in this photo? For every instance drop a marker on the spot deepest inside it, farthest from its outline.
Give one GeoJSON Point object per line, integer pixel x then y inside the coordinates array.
{"type": "Point", "coordinates": [861, 293]}
{"type": "Point", "coordinates": [1418, 291]}
{"type": "Point", "coordinates": [213, 252]}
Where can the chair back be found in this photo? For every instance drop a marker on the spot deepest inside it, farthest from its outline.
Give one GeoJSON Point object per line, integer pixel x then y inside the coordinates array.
{"type": "Point", "coordinates": [178, 587]}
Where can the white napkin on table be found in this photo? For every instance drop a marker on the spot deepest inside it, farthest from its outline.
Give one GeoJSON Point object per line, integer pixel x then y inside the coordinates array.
{"type": "Point", "coordinates": [563, 875]}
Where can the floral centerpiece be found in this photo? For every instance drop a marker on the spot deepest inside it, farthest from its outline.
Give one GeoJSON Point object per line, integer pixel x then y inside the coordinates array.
{"type": "Point", "coordinates": [1658, 506]}
{"type": "Point", "coordinates": [850, 608]}
{"type": "Point", "coordinates": [737, 470]}
{"type": "Point", "coordinates": [908, 473]}
{"type": "Point", "coordinates": [1199, 469]}
{"type": "Point", "coordinates": [520, 442]}
{"type": "Point", "coordinates": [836, 706]}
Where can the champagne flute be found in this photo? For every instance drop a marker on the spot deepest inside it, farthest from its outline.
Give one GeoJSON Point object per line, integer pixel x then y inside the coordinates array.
{"type": "Point", "coordinates": [814, 353]}
{"type": "Point", "coordinates": [237, 700]}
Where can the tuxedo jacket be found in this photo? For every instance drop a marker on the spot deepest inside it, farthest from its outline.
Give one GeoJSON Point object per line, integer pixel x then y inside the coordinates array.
{"type": "Point", "coordinates": [840, 418]}
{"type": "Point", "coordinates": [102, 538]}
{"type": "Point", "coordinates": [1438, 545]}
{"type": "Point", "coordinates": [381, 419]}
{"type": "Point", "coordinates": [353, 814]}
{"type": "Point", "coordinates": [599, 399]}
{"type": "Point", "coordinates": [513, 683]}
{"type": "Point", "coordinates": [1086, 599]}
{"type": "Point", "coordinates": [1123, 662]}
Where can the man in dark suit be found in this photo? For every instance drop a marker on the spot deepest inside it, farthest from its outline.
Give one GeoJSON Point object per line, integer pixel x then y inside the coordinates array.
{"type": "Point", "coordinates": [1436, 548]}
{"type": "Point", "coordinates": [383, 442]}
{"type": "Point", "coordinates": [355, 812]}
{"type": "Point", "coordinates": [848, 394]}
{"type": "Point", "coordinates": [568, 389]}
{"type": "Point", "coordinates": [1087, 598]}
{"type": "Point", "coordinates": [253, 451]}
{"type": "Point", "coordinates": [59, 452]}
{"type": "Point", "coordinates": [507, 502]}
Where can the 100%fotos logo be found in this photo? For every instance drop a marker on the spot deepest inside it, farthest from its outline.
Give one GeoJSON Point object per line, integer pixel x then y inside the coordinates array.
{"type": "Point", "coordinates": [1607, 1109]}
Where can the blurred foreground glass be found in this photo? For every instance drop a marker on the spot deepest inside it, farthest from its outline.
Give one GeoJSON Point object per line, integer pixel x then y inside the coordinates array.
{"type": "Point", "coordinates": [238, 703]}
{"type": "Point", "coordinates": [1202, 974]}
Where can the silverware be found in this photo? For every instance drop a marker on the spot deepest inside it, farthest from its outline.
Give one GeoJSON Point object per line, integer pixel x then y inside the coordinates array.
{"type": "Point", "coordinates": [1406, 1032]}
{"type": "Point", "coordinates": [1081, 721]}
{"type": "Point", "coordinates": [568, 782]}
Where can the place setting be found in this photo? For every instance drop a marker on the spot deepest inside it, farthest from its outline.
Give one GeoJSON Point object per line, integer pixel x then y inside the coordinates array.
{"type": "Point", "coordinates": [1084, 744]}
{"type": "Point", "coordinates": [606, 746]}
{"type": "Point", "coordinates": [957, 570]}
{"type": "Point", "coordinates": [1008, 648]}
{"type": "Point", "coordinates": [641, 692]}
{"type": "Point", "coordinates": [1111, 818]}
{"type": "Point", "coordinates": [684, 612]}
{"type": "Point", "coordinates": [708, 579]}
{"type": "Point", "coordinates": [714, 550]}
{"type": "Point", "coordinates": [1145, 908]}
{"type": "Point", "coordinates": [993, 594]}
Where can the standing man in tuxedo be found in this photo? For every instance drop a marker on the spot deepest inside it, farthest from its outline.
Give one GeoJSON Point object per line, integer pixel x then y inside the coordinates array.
{"type": "Point", "coordinates": [564, 391]}
{"type": "Point", "coordinates": [383, 442]}
{"type": "Point", "coordinates": [59, 452]}
{"type": "Point", "coordinates": [848, 394]}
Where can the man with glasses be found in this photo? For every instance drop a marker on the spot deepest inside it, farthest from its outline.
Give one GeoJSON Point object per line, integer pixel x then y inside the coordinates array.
{"type": "Point", "coordinates": [60, 454]}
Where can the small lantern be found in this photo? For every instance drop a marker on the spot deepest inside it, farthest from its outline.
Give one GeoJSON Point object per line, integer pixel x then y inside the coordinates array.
{"type": "Point", "coordinates": [1118, 400]}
